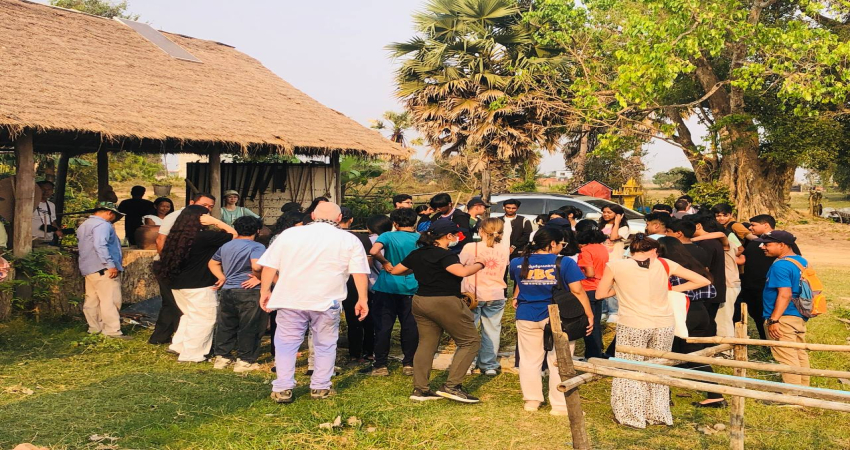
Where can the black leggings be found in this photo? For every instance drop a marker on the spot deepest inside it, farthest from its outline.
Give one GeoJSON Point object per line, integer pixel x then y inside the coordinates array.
{"type": "Point", "coordinates": [699, 325]}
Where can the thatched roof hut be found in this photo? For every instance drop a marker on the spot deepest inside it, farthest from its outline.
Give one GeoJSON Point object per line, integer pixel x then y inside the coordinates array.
{"type": "Point", "coordinates": [79, 80]}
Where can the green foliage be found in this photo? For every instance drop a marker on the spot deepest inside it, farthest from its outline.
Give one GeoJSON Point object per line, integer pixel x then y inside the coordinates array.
{"type": "Point", "coordinates": [709, 194]}
{"type": "Point", "coordinates": [30, 271]}
{"type": "Point", "coordinates": [378, 202]}
{"type": "Point", "coordinates": [614, 167]}
{"type": "Point", "coordinates": [102, 8]}
{"type": "Point", "coordinates": [680, 178]}
{"type": "Point", "coordinates": [357, 172]}
{"type": "Point", "coordinates": [841, 177]}
{"type": "Point", "coordinates": [523, 186]}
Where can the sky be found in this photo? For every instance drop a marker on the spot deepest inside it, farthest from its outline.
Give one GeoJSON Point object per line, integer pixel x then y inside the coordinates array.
{"type": "Point", "coordinates": [333, 50]}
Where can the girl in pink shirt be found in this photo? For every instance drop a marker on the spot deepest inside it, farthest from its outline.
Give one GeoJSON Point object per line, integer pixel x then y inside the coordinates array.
{"type": "Point", "coordinates": [489, 287]}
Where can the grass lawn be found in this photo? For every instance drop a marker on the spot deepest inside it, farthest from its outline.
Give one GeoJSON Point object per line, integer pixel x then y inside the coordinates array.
{"type": "Point", "coordinates": [139, 395]}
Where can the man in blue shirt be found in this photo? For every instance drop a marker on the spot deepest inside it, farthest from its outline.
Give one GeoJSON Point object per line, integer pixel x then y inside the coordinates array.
{"type": "Point", "coordinates": [782, 319]}
{"type": "Point", "coordinates": [100, 263]}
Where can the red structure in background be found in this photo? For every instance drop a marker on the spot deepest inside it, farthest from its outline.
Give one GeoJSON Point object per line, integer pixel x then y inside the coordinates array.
{"type": "Point", "coordinates": [594, 189]}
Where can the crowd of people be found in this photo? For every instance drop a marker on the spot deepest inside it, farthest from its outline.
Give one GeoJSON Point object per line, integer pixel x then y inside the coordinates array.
{"type": "Point", "coordinates": [438, 268]}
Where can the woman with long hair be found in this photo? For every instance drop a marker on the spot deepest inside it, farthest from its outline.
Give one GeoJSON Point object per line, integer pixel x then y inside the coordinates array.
{"type": "Point", "coordinates": [536, 274]}
{"type": "Point", "coordinates": [698, 321]}
{"type": "Point", "coordinates": [646, 321]}
{"type": "Point", "coordinates": [610, 223]}
{"type": "Point", "coordinates": [437, 307]}
{"type": "Point", "coordinates": [488, 286]}
{"type": "Point", "coordinates": [592, 261]}
{"type": "Point", "coordinates": [183, 265]}
{"type": "Point", "coordinates": [163, 207]}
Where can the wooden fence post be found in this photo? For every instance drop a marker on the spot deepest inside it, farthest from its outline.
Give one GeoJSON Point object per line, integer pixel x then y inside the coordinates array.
{"type": "Point", "coordinates": [736, 422]}
{"type": "Point", "coordinates": [581, 441]}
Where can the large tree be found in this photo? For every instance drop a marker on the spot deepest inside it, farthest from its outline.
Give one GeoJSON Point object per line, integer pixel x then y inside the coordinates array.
{"type": "Point", "coordinates": [459, 80]}
{"type": "Point", "coordinates": [748, 70]}
{"type": "Point", "coordinates": [102, 8]}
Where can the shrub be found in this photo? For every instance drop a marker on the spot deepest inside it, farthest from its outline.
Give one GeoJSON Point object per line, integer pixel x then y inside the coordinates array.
{"type": "Point", "coordinates": [709, 194]}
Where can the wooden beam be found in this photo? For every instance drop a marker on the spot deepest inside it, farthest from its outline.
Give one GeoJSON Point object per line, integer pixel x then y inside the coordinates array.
{"type": "Point", "coordinates": [736, 410]}
{"type": "Point", "coordinates": [102, 173]}
{"type": "Point", "coordinates": [335, 164]}
{"type": "Point", "coordinates": [61, 182]}
{"type": "Point", "coordinates": [765, 367]}
{"type": "Point", "coordinates": [578, 380]}
{"type": "Point", "coordinates": [581, 440]}
{"type": "Point", "coordinates": [24, 192]}
{"type": "Point", "coordinates": [766, 343]}
{"type": "Point", "coordinates": [215, 181]}
{"type": "Point", "coordinates": [720, 389]}
{"type": "Point", "coordinates": [719, 378]}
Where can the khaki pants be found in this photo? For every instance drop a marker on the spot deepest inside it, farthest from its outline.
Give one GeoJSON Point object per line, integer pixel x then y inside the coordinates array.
{"type": "Point", "coordinates": [792, 329]}
{"type": "Point", "coordinates": [530, 342]}
{"type": "Point", "coordinates": [434, 315]}
{"type": "Point", "coordinates": [102, 302]}
{"type": "Point", "coordinates": [725, 314]}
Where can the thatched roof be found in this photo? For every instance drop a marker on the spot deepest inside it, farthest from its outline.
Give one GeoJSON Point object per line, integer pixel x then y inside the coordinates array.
{"type": "Point", "coordinates": [83, 81]}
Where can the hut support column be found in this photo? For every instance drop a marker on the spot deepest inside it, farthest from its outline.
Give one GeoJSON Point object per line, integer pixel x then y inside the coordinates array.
{"type": "Point", "coordinates": [61, 179]}
{"type": "Point", "coordinates": [215, 181]}
{"type": "Point", "coordinates": [24, 192]}
{"type": "Point", "coordinates": [102, 173]}
{"type": "Point", "coordinates": [335, 164]}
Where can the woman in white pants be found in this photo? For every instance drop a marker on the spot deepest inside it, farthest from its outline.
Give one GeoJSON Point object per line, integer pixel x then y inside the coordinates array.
{"type": "Point", "coordinates": [184, 265]}
{"type": "Point", "coordinates": [534, 277]}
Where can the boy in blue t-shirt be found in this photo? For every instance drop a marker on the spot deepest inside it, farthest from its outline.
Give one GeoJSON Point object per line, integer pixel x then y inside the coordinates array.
{"type": "Point", "coordinates": [782, 319]}
{"type": "Point", "coordinates": [394, 294]}
{"type": "Point", "coordinates": [240, 322]}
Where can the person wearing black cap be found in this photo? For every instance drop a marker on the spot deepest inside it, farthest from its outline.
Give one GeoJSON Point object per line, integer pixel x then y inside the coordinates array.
{"type": "Point", "coordinates": [438, 307]}
{"type": "Point", "coordinates": [783, 320]}
{"type": "Point", "coordinates": [476, 207]}
{"type": "Point", "coordinates": [100, 263]}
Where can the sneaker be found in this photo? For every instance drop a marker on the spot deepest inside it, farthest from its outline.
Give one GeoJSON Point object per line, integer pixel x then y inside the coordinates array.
{"type": "Point", "coordinates": [531, 405]}
{"type": "Point", "coordinates": [245, 366]}
{"type": "Point", "coordinates": [423, 396]}
{"type": "Point", "coordinates": [309, 372]}
{"type": "Point", "coordinates": [283, 397]}
{"type": "Point", "coordinates": [380, 372]}
{"type": "Point", "coordinates": [558, 412]}
{"type": "Point", "coordinates": [221, 362]}
{"type": "Point", "coordinates": [457, 394]}
{"type": "Point", "coordinates": [407, 371]}
{"type": "Point", "coordinates": [321, 394]}
{"type": "Point", "coordinates": [491, 372]}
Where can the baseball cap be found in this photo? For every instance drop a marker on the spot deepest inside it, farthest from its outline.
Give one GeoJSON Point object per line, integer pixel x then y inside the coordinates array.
{"type": "Point", "coordinates": [477, 200]}
{"type": "Point", "coordinates": [107, 206]}
{"type": "Point", "coordinates": [780, 236]}
{"type": "Point", "coordinates": [559, 222]}
{"type": "Point", "coordinates": [441, 227]}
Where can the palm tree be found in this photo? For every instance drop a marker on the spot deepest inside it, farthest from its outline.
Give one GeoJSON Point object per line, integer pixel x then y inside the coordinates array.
{"type": "Point", "coordinates": [459, 81]}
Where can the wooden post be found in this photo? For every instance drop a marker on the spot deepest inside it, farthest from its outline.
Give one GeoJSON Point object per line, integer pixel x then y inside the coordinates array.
{"type": "Point", "coordinates": [581, 440]}
{"type": "Point", "coordinates": [24, 192]}
{"type": "Point", "coordinates": [102, 172]}
{"type": "Point", "coordinates": [61, 180]}
{"type": "Point", "coordinates": [337, 174]}
{"type": "Point", "coordinates": [736, 422]}
{"type": "Point", "coordinates": [215, 181]}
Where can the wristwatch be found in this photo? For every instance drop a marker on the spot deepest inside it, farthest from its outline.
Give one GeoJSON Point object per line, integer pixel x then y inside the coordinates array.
{"type": "Point", "coordinates": [771, 321]}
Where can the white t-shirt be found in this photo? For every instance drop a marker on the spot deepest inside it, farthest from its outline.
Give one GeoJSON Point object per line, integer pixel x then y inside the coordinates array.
{"type": "Point", "coordinates": [733, 277]}
{"type": "Point", "coordinates": [314, 262]}
{"type": "Point", "coordinates": [506, 234]}
{"type": "Point", "coordinates": [168, 222]}
{"type": "Point", "coordinates": [44, 214]}
{"type": "Point", "coordinates": [156, 220]}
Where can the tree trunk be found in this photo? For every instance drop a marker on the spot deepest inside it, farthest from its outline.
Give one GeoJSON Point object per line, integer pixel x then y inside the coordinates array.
{"type": "Point", "coordinates": [579, 162]}
{"type": "Point", "coordinates": [486, 182]}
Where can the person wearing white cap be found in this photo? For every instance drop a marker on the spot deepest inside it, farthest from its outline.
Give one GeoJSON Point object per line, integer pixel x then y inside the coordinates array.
{"type": "Point", "coordinates": [230, 211]}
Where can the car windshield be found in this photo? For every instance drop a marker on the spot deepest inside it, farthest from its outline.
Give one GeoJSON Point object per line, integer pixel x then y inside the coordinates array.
{"type": "Point", "coordinates": [599, 203]}
{"type": "Point", "coordinates": [528, 206]}
{"type": "Point", "coordinates": [586, 209]}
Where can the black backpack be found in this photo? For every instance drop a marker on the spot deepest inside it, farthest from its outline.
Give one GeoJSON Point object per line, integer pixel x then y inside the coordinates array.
{"type": "Point", "coordinates": [573, 319]}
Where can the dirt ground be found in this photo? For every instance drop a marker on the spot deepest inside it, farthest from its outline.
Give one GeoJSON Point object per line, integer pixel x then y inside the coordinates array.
{"type": "Point", "coordinates": [823, 243]}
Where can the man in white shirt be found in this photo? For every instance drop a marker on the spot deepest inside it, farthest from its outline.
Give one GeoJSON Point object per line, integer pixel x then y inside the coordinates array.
{"type": "Point", "coordinates": [313, 263]}
{"type": "Point", "coordinates": [44, 223]}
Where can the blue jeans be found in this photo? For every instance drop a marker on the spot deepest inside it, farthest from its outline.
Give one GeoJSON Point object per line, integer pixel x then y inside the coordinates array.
{"type": "Point", "coordinates": [610, 305]}
{"type": "Point", "coordinates": [489, 315]}
{"type": "Point", "coordinates": [593, 343]}
{"type": "Point", "coordinates": [291, 326]}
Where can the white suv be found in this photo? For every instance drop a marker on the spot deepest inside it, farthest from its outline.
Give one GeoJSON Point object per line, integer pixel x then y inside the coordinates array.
{"type": "Point", "coordinates": [535, 203]}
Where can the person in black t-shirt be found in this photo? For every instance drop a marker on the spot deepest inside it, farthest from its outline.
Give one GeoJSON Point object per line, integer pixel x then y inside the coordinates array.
{"type": "Point", "coordinates": [684, 231]}
{"type": "Point", "coordinates": [361, 334]}
{"type": "Point", "coordinates": [705, 224]}
{"type": "Point", "coordinates": [184, 266]}
{"type": "Point", "coordinates": [134, 209]}
{"type": "Point", "coordinates": [755, 272]}
{"type": "Point", "coordinates": [437, 306]}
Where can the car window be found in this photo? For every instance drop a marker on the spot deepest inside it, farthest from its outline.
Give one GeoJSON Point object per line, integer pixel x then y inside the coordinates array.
{"type": "Point", "coordinates": [528, 206]}
{"type": "Point", "coordinates": [557, 203]}
{"type": "Point", "coordinates": [599, 203]}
